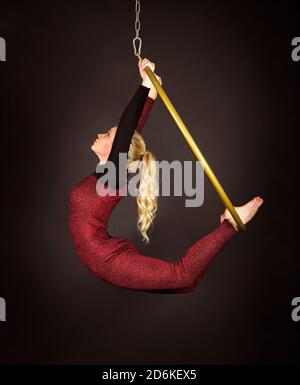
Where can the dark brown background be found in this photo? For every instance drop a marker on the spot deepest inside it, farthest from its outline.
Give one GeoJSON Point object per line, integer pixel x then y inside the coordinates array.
{"type": "Point", "coordinates": [70, 71]}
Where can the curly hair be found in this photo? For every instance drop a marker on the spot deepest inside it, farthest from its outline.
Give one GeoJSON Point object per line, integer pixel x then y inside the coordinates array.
{"type": "Point", "coordinates": [141, 158]}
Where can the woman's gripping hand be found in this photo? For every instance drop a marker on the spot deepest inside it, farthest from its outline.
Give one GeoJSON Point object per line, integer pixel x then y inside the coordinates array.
{"type": "Point", "coordinates": [146, 81]}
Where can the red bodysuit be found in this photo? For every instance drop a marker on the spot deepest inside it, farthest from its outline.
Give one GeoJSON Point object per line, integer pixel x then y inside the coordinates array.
{"type": "Point", "coordinates": [117, 260]}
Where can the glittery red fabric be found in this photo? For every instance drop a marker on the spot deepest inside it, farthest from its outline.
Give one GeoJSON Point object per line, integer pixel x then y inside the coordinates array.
{"type": "Point", "coordinates": [145, 113]}
{"type": "Point", "coordinates": [117, 260]}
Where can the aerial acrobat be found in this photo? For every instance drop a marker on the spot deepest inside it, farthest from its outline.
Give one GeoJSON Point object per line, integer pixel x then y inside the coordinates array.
{"type": "Point", "coordinates": [116, 259]}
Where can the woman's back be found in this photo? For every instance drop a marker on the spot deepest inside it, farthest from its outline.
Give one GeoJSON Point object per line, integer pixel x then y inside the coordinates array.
{"type": "Point", "coordinates": [88, 221]}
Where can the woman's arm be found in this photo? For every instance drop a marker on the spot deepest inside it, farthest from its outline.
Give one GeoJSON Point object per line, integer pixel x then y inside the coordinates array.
{"type": "Point", "coordinates": [134, 115]}
{"type": "Point", "coordinates": [133, 118]}
{"type": "Point", "coordinates": [146, 112]}
{"type": "Point", "coordinates": [152, 93]}
{"type": "Point", "coordinates": [128, 123]}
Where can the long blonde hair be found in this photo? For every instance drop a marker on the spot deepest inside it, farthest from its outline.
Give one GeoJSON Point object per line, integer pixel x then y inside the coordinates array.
{"type": "Point", "coordinates": [140, 158]}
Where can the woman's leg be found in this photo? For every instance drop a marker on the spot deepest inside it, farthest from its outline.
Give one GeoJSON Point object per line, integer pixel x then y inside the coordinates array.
{"type": "Point", "coordinates": [132, 270]}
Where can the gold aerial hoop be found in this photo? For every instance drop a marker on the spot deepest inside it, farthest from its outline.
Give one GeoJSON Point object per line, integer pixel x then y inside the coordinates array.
{"type": "Point", "coordinates": [183, 129]}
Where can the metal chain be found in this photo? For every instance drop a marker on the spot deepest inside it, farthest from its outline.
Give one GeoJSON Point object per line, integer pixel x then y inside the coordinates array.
{"type": "Point", "coordinates": [137, 40]}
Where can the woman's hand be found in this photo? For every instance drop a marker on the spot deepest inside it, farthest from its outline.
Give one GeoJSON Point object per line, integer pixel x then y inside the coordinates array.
{"type": "Point", "coordinates": [146, 81]}
{"type": "Point", "coordinates": [142, 64]}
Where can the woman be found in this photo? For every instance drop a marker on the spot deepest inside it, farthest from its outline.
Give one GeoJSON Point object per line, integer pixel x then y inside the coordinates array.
{"type": "Point", "coordinates": [115, 259]}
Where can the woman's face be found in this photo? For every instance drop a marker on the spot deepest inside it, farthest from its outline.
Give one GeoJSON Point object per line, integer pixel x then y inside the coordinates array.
{"type": "Point", "coordinates": [102, 145]}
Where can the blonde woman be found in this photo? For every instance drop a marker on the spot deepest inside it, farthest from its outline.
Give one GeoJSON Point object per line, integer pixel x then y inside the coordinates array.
{"type": "Point", "coordinates": [116, 259]}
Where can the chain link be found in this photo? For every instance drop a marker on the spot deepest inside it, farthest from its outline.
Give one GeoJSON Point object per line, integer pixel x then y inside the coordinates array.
{"type": "Point", "coordinates": [137, 41]}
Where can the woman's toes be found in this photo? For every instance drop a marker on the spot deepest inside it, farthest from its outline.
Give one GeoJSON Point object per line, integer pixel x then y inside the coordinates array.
{"type": "Point", "coordinates": [257, 201]}
{"type": "Point", "coordinates": [250, 203]}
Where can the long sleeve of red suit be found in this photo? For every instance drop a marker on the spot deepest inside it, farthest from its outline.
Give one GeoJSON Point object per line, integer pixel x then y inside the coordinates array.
{"type": "Point", "coordinates": [116, 259]}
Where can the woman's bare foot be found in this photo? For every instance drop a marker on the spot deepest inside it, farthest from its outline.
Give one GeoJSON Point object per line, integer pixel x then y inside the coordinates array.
{"type": "Point", "coordinates": [246, 212]}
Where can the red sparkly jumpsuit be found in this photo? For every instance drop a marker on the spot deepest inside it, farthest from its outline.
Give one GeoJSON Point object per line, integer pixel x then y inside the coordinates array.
{"type": "Point", "coordinates": [117, 260]}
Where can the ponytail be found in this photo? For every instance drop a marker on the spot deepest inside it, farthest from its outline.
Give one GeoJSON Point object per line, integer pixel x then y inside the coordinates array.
{"type": "Point", "coordinates": [140, 158]}
{"type": "Point", "coordinates": [146, 198]}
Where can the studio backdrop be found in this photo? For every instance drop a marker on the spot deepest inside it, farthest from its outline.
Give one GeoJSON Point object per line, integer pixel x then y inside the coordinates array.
{"type": "Point", "coordinates": [67, 72]}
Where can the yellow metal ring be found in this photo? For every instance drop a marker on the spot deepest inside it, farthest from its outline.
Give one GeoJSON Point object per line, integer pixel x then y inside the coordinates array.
{"type": "Point", "coordinates": [193, 146]}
